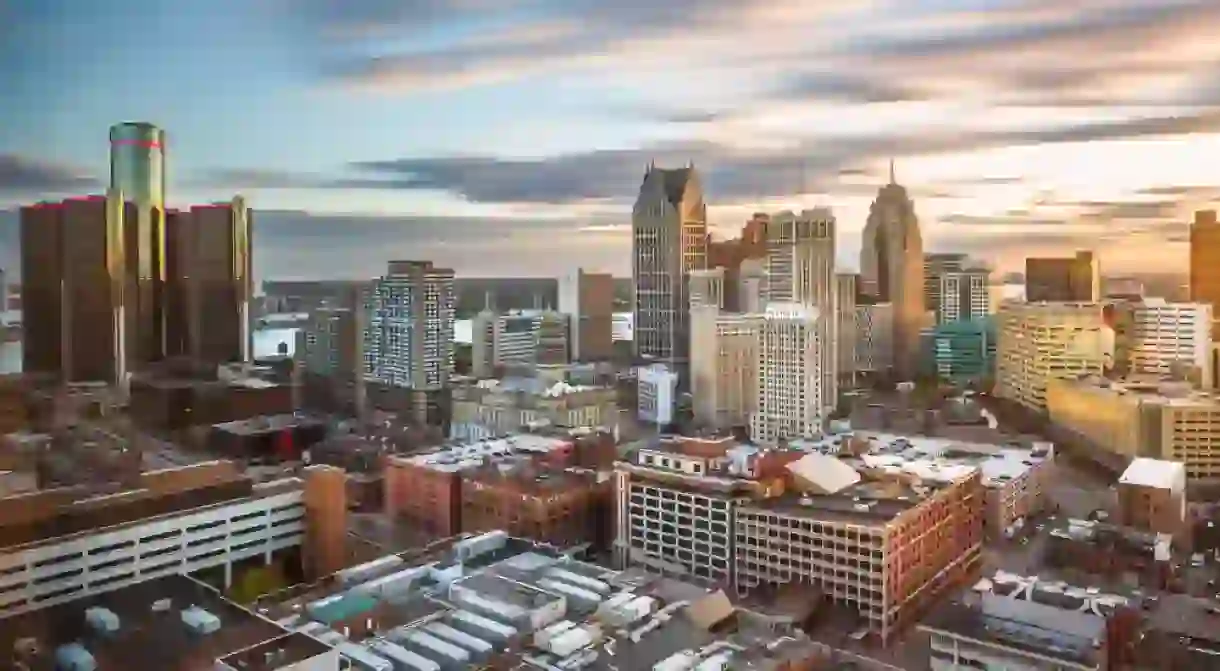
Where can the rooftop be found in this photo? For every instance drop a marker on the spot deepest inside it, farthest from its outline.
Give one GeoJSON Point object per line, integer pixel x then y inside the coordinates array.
{"type": "Point", "coordinates": [1157, 473]}
{"type": "Point", "coordinates": [266, 424]}
{"type": "Point", "coordinates": [1149, 390]}
{"type": "Point", "coordinates": [174, 623]}
{"type": "Point", "coordinates": [456, 458]}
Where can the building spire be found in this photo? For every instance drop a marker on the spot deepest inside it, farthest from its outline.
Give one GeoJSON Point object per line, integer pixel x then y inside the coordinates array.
{"type": "Point", "coordinates": [892, 180]}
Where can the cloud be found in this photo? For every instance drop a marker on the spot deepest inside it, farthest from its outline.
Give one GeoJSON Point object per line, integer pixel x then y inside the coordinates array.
{"type": "Point", "coordinates": [23, 175]}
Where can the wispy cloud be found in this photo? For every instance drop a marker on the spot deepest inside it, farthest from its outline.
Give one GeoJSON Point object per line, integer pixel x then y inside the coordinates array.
{"type": "Point", "coordinates": [24, 175]}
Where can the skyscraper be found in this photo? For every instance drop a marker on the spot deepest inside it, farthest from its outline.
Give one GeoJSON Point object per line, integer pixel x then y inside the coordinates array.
{"type": "Point", "coordinates": [409, 339]}
{"type": "Point", "coordinates": [1205, 263]}
{"type": "Point", "coordinates": [71, 258]}
{"type": "Point", "coordinates": [588, 300]}
{"type": "Point", "coordinates": [669, 239]}
{"type": "Point", "coordinates": [208, 282]}
{"type": "Point", "coordinates": [891, 269]}
{"type": "Point", "coordinates": [137, 177]}
{"type": "Point", "coordinates": [801, 270]}
{"type": "Point", "coordinates": [791, 401]}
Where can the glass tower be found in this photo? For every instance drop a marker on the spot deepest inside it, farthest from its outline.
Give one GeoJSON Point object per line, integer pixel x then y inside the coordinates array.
{"type": "Point", "coordinates": [137, 163]}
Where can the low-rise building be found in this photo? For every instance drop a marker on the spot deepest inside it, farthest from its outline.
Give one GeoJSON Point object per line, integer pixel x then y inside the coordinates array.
{"type": "Point", "coordinates": [487, 408]}
{"type": "Point", "coordinates": [1111, 552]}
{"type": "Point", "coordinates": [1152, 496]}
{"type": "Point", "coordinates": [1170, 421]}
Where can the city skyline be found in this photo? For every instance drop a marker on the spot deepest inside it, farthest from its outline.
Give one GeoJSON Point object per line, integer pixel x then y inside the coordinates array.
{"type": "Point", "coordinates": [439, 131]}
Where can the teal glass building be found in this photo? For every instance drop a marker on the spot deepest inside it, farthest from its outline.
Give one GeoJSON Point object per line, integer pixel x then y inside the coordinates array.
{"type": "Point", "coordinates": [960, 352]}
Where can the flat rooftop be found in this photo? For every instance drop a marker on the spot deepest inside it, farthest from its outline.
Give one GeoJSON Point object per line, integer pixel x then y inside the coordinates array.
{"type": "Point", "coordinates": [266, 424]}
{"type": "Point", "coordinates": [150, 632]}
{"type": "Point", "coordinates": [1156, 473]}
{"type": "Point", "coordinates": [456, 458]}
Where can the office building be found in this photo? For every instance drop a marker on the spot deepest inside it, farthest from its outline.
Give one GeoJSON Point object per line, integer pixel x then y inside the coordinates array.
{"type": "Point", "coordinates": [963, 296]}
{"type": "Point", "coordinates": [936, 265]}
{"type": "Point", "coordinates": [874, 338]}
{"type": "Point", "coordinates": [489, 408]}
{"type": "Point", "coordinates": [793, 400]}
{"type": "Point", "coordinates": [847, 288]}
{"type": "Point", "coordinates": [1074, 279]}
{"type": "Point", "coordinates": [409, 341]}
{"type": "Point", "coordinates": [517, 342]}
{"type": "Point", "coordinates": [961, 352]}
{"type": "Point", "coordinates": [737, 254]}
{"type": "Point", "coordinates": [137, 178]}
{"type": "Point", "coordinates": [1169, 421]}
{"type": "Point", "coordinates": [707, 288]}
{"type": "Point", "coordinates": [588, 301]}
{"type": "Point", "coordinates": [656, 394]}
{"type": "Point", "coordinates": [724, 367]}
{"type": "Point", "coordinates": [1205, 263]}
{"type": "Point", "coordinates": [891, 270]}
{"type": "Point", "coordinates": [1040, 342]}
{"type": "Point", "coordinates": [801, 270]}
{"type": "Point", "coordinates": [208, 282]}
{"type": "Point", "coordinates": [751, 286]}
{"type": "Point", "coordinates": [72, 279]}
{"type": "Point", "coordinates": [717, 511]}
{"type": "Point", "coordinates": [1155, 337]}
{"type": "Point", "coordinates": [669, 240]}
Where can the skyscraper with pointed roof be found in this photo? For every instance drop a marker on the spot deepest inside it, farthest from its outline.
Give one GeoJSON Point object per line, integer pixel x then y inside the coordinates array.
{"type": "Point", "coordinates": [891, 269]}
{"type": "Point", "coordinates": [669, 239]}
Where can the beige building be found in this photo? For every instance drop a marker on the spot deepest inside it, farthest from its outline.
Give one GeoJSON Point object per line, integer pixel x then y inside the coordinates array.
{"type": "Point", "coordinates": [801, 271]}
{"type": "Point", "coordinates": [489, 408]}
{"type": "Point", "coordinates": [792, 397]}
{"type": "Point", "coordinates": [845, 312]}
{"type": "Point", "coordinates": [751, 285]}
{"type": "Point", "coordinates": [1039, 342]}
{"type": "Point", "coordinates": [1156, 337]}
{"type": "Point", "coordinates": [707, 288]}
{"type": "Point", "coordinates": [724, 367]}
{"type": "Point", "coordinates": [1154, 419]}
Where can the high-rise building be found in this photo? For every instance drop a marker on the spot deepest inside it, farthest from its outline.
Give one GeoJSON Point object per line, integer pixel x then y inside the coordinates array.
{"type": "Point", "coordinates": [707, 288]}
{"type": "Point", "coordinates": [874, 344]}
{"type": "Point", "coordinates": [588, 300]}
{"type": "Point", "coordinates": [891, 270]}
{"type": "Point", "coordinates": [517, 341]}
{"type": "Point", "coordinates": [846, 285]}
{"type": "Point", "coordinates": [137, 177]}
{"type": "Point", "coordinates": [409, 340]}
{"type": "Point", "coordinates": [801, 270]}
{"type": "Point", "coordinates": [208, 286]}
{"type": "Point", "coordinates": [1162, 338]}
{"type": "Point", "coordinates": [1205, 263]}
{"type": "Point", "coordinates": [963, 295]}
{"type": "Point", "coordinates": [734, 256]}
{"type": "Point", "coordinates": [961, 352]}
{"type": "Point", "coordinates": [1073, 279]}
{"type": "Point", "coordinates": [71, 261]}
{"type": "Point", "coordinates": [791, 386]}
{"type": "Point", "coordinates": [724, 367]}
{"type": "Point", "coordinates": [1039, 342]}
{"type": "Point", "coordinates": [751, 286]}
{"type": "Point", "coordinates": [934, 266]}
{"type": "Point", "coordinates": [669, 239]}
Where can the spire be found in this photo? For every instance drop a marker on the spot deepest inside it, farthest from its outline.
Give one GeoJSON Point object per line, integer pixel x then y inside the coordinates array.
{"type": "Point", "coordinates": [892, 180]}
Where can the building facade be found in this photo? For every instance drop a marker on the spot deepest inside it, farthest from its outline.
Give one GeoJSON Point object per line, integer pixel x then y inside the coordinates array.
{"type": "Point", "coordinates": [707, 288]}
{"type": "Point", "coordinates": [891, 270]}
{"type": "Point", "coordinates": [961, 352]}
{"type": "Point", "coordinates": [874, 344]}
{"type": "Point", "coordinates": [588, 301]}
{"type": "Point", "coordinates": [1205, 263]}
{"type": "Point", "coordinates": [801, 271]}
{"type": "Point", "coordinates": [490, 408]}
{"type": "Point", "coordinates": [208, 282]}
{"type": "Point", "coordinates": [792, 394]}
{"type": "Point", "coordinates": [669, 240]}
{"type": "Point", "coordinates": [936, 265]}
{"type": "Point", "coordinates": [847, 287]}
{"type": "Point", "coordinates": [656, 394]}
{"type": "Point", "coordinates": [724, 367]}
{"type": "Point", "coordinates": [1040, 342]}
{"type": "Point", "coordinates": [1075, 279]}
{"type": "Point", "coordinates": [963, 296]}
{"type": "Point", "coordinates": [409, 340]}
{"type": "Point", "coordinates": [1166, 339]}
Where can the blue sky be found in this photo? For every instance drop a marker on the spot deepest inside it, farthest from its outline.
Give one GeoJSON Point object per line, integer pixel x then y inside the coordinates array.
{"type": "Point", "coordinates": [509, 136]}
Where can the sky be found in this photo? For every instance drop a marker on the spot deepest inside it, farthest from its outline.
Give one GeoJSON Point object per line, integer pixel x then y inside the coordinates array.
{"type": "Point", "coordinates": [509, 137]}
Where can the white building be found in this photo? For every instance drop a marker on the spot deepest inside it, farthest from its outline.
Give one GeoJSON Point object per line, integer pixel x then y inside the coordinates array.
{"type": "Point", "coordinates": [801, 270]}
{"type": "Point", "coordinates": [63, 568]}
{"type": "Point", "coordinates": [1163, 336]}
{"type": "Point", "coordinates": [707, 288]}
{"type": "Point", "coordinates": [874, 338]}
{"type": "Point", "coordinates": [657, 389]}
{"type": "Point", "coordinates": [751, 285]}
{"type": "Point", "coordinates": [792, 391]}
{"type": "Point", "coordinates": [409, 339]}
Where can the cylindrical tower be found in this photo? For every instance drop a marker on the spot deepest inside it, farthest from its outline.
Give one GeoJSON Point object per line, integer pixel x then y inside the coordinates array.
{"type": "Point", "coordinates": [137, 163]}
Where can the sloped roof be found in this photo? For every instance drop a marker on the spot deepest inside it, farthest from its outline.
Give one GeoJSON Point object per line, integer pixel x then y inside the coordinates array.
{"type": "Point", "coordinates": [824, 474]}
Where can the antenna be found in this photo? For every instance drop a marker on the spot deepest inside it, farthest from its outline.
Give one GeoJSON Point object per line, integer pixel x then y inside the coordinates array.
{"type": "Point", "coordinates": [892, 180]}
{"type": "Point", "coordinates": [487, 300]}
